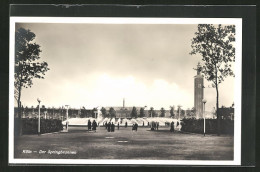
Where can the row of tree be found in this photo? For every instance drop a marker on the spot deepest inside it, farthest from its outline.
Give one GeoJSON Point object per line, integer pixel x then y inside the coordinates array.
{"type": "Point", "coordinates": [151, 112]}
{"type": "Point", "coordinates": [111, 113]}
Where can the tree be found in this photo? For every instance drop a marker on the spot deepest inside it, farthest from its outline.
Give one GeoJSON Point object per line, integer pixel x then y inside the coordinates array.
{"type": "Point", "coordinates": [193, 111]}
{"type": "Point", "coordinates": [188, 112]}
{"type": "Point", "coordinates": [112, 112]}
{"type": "Point", "coordinates": [163, 112]}
{"type": "Point", "coordinates": [27, 66]}
{"type": "Point", "coordinates": [151, 112]}
{"type": "Point", "coordinates": [182, 113]}
{"type": "Point", "coordinates": [142, 114]}
{"type": "Point", "coordinates": [104, 112]}
{"type": "Point", "coordinates": [172, 111]}
{"type": "Point", "coordinates": [134, 113]}
{"type": "Point", "coordinates": [215, 45]}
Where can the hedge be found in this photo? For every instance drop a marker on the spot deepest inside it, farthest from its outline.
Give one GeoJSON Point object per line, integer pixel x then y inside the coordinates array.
{"type": "Point", "coordinates": [197, 126]}
{"type": "Point", "coordinates": [30, 125]}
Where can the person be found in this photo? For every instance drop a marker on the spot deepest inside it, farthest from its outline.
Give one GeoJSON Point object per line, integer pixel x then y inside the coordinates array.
{"type": "Point", "coordinates": [172, 127]}
{"type": "Point", "coordinates": [89, 125]}
{"type": "Point", "coordinates": [136, 126]}
{"type": "Point", "coordinates": [143, 123]}
{"type": "Point", "coordinates": [112, 127]}
{"type": "Point", "coordinates": [94, 126]}
{"type": "Point", "coordinates": [133, 127]}
{"type": "Point", "coordinates": [106, 124]}
{"type": "Point", "coordinates": [108, 127]}
{"type": "Point", "coordinates": [118, 125]}
{"type": "Point", "coordinates": [177, 123]}
{"type": "Point", "coordinates": [157, 125]}
{"type": "Point", "coordinates": [148, 124]}
{"type": "Point", "coordinates": [125, 124]}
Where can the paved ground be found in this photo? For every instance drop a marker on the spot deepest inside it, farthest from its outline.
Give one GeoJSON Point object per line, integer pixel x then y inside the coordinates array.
{"type": "Point", "coordinates": [124, 144]}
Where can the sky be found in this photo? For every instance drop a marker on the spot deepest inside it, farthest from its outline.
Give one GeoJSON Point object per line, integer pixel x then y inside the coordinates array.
{"type": "Point", "coordinates": [100, 64]}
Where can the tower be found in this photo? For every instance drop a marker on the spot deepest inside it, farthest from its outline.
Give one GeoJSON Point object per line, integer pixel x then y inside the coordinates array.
{"type": "Point", "coordinates": [198, 92]}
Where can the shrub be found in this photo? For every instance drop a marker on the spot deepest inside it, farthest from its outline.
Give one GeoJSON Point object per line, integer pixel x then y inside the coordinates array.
{"type": "Point", "coordinates": [30, 125]}
{"type": "Point", "coordinates": [197, 126]}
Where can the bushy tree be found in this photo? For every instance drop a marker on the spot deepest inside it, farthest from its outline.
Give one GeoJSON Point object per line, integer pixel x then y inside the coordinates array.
{"type": "Point", "coordinates": [142, 114]}
{"type": "Point", "coordinates": [163, 112]}
{"type": "Point", "coordinates": [172, 111]}
{"type": "Point", "coordinates": [104, 112]}
{"type": "Point", "coordinates": [182, 113]}
{"type": "Point", "coordinates": [27, 66]}
{"type": "Point", "coordinates": [215, 44]}
{"type": "Point", "coordinates": [134, 112]}
{"type": "Point", "coordinates": [112, 112]}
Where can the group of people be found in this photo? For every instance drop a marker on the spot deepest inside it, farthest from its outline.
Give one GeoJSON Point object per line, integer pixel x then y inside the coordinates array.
{"type": "Point", "coordinates": [93, 125]}
{"type": "Point", "coordinates": [110, 126]}
{"type": "Point", "coordinates": [155, 126]}
{"type": "Point", "coordinates": [134, 127]}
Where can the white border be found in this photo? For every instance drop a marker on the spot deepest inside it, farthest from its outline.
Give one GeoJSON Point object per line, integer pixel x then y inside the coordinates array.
{"type": "Point", "coordinates": [108, 20]}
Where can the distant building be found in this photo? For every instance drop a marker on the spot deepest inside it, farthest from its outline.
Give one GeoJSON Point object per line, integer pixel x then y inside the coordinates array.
{"type": "Point", "coordinates": [198, 93]}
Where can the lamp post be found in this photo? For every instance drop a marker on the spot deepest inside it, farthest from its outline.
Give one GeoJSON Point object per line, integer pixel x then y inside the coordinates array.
{"type": "Point", "coordinates": [204, 102]}
{"type": "Point", "coordinates": [39, 117]}
{"type": "Point", "coordinates": [67, 117]}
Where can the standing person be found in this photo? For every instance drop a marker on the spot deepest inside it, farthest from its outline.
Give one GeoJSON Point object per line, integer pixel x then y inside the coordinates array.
{"type": "Point", "coordinates": [89, 125]}
{"type": "Point", "coordinates": [106, 124]}
{"type": "Point", "coordinates": [136, 126]}
{"type": "Point", "coordinates": [118, 125]}
{"type": "Point", "coordinates": [125, 124]}
{"type": "Point", "coordinates": [133, 127]}
{"type": "Point", "coordinates": [172, 127]}
{"type": "Point", "coordinates": [157, 125]}
{"type": "Point", "coordinates": [143, 123]}
{"type": "Point", "coordinates": [94, 126]}
{"type": "Point", "coordinates": [112, 127]}
{"type": "Point", "coordinates": [109, 127]}
{"type": "Point", "coordinates": [148, 124]}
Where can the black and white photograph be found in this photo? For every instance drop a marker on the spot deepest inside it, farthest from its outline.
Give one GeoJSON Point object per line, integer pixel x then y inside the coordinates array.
{"type": "Point", "coordinates": [107, 90]}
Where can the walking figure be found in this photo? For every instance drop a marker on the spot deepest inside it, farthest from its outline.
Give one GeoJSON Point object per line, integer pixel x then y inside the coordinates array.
{"type": "Point", "coordinates": [172, 127]}
{"type": "Point", "coordinates": [112, 127]}
{"type": "Point", "coordinates": [118, 125]}
{"type": "Point", "coordinates": [94, 126]}
{"type": "Point", "coordinates": [89, 125]}
{"type": "Point", "coordinates": [109, 127]}
{"type": "Point", "coordinates": [136, 126]}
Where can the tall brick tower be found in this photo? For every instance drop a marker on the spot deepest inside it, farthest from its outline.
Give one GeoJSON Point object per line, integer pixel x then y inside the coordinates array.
{"type": "Point", "coordinates": [198, 92]}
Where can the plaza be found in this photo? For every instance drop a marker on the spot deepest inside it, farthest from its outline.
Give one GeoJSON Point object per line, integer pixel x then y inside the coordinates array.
{"type": "Point", "coordinates": [124, 143]}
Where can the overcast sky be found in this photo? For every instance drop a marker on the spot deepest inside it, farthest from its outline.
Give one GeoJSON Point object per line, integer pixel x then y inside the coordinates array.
{"type": "Point", "coordinates": [100, 64]}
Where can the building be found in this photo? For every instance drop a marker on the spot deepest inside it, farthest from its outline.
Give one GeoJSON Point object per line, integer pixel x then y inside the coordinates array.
{"type": "Point", "coordinates": [198, 92]}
